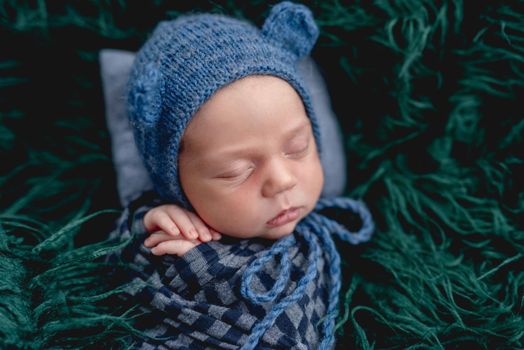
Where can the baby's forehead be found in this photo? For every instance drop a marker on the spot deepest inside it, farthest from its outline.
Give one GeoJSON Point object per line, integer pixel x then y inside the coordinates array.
{"type": "Point", "coordinates": [244, 107]}
{"type": "Point", "coordinates": [250, 93]}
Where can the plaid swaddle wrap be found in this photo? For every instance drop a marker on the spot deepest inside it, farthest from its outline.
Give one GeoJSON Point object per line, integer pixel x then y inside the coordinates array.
{"type": "Point", "coordinates": [202, 300]}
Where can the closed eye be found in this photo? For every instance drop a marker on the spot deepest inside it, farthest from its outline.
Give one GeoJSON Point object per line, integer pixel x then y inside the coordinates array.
{"type": "Point", "coordinates": [298, 152]}
{"type": "Point", "coordinates": [236, 175]}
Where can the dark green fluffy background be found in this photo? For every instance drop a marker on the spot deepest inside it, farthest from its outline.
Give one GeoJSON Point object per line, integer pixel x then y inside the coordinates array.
{"type": "Point", "coordinates": [430, 95]}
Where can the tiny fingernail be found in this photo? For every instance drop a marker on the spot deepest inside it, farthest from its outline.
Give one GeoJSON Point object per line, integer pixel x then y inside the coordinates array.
{"type": "Point", "coordinates": [193, 234]}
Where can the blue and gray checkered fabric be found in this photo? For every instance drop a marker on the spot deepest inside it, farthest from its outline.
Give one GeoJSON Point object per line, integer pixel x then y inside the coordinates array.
{"type": "Point", "coordinates": [196, 301]}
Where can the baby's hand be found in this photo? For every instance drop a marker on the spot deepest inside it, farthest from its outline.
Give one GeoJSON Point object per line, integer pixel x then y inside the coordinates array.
{"type": "Point", "coordinates": [175, 230]}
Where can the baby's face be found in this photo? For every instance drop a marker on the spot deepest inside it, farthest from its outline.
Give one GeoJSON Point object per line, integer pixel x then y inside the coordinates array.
{"type": "Point", "coordinates": [249, 164]}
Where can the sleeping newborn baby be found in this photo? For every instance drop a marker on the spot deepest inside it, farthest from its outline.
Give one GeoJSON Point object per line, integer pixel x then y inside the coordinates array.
{"type": "Point", "coordinates": [248, 165]}
{"type": "Point", "coordinates": [236, 252]}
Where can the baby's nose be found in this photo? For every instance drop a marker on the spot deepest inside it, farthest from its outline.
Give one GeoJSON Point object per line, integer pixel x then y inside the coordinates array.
{"type": "Point", "coordinates": [279, 178]}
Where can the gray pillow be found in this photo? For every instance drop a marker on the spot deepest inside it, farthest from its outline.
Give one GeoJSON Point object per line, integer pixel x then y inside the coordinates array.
{"type": "Point", "coordinates": [132, 177]}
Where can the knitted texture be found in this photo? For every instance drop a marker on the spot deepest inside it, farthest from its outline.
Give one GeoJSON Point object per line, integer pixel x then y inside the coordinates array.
{"type": "Point", "coordinates": [241, 294]}
{"type": "Point", "coordinates": [188, 59]}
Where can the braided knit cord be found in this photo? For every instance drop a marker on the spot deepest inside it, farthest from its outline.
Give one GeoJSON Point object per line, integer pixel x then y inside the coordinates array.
{"type": "Point", "coordinates": [315, 230]}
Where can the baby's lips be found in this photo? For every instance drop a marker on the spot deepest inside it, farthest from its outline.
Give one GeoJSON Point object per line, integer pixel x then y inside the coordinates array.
{"type": "Point", "coordinates": [285, 216]}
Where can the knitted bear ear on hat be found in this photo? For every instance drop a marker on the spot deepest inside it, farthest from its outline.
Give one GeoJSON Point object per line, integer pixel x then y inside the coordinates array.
{"type": "Point", "coordinates": [292, 27]}
{"type": "Point", "coordinates": [145, 96]}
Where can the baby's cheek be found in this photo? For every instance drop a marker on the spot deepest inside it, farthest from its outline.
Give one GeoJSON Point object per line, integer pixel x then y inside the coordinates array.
{"type": "Point", "coordinates": [228, 213]}
{"type": "Point", "coordinates": [315, 179]}
{"type": "Point", "coordinates": [320, 180]}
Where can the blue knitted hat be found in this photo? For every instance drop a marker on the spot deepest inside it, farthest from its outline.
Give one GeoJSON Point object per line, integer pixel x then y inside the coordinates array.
{"type": "Point", "coordinates": [188, 59]}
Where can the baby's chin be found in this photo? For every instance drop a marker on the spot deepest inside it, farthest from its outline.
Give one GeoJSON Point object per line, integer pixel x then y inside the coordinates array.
{"type": "Point", "coordinates": [279, 232]}
{"type": "Point", "coordinates": [271, 233]}
{"type": "Point", "coordinates": [275, 233]}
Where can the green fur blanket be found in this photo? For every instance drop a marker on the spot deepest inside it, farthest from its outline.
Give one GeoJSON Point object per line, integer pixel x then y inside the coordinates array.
{"type": "Point", "coordinates": [430, 96]}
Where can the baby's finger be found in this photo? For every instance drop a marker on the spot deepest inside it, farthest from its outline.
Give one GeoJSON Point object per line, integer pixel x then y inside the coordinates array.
{"type": "Point", "coordinates": [178, 247]}
{"type": "Point", "coordinates": [157, 237]}
{"type": "Point", "coordinates": [156, 220]}
{"type": "Point", "coordinates": [216, 236]}
{"type": "Point", "coordinates": [185, 225]}
{"type": "Point", "coordinates": [203, 232]}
